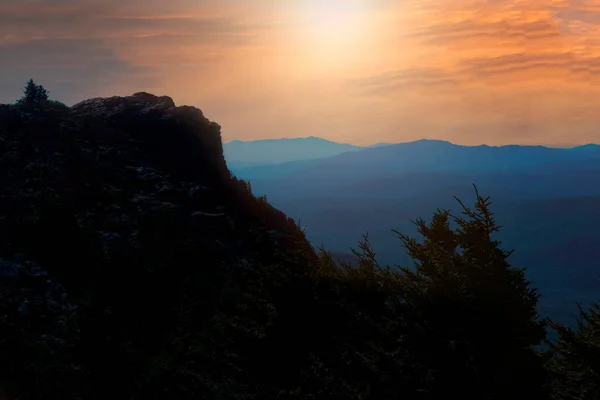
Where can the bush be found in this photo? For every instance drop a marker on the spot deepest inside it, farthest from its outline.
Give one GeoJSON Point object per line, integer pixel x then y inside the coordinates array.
{"type": "Point", "coordinates": [575, 358]}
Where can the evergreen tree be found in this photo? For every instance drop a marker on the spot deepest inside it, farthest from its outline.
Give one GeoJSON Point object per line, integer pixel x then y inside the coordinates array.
{"type": "Point", "coordinates": [33, 93]}
{"type": "Point", "coordinates": [462, 322]}
{"type": "Point", "coordinates": [41, 94]}
{"type": "Point", "coordinates": [575, 358]}
{"type": "Point", "coordinates": [30, 92]}
{"type": "Point", "coordinates": [478, 315]}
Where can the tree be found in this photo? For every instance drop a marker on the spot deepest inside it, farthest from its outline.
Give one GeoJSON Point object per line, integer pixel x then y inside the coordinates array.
{"type": "Point", "coordinates": [462, 322]}
{"type": "Point", "coordinates": [479, 319]}
{"type": "Point", "coordinates": [30, 92]}
{"type": "Point", "coordinates": [41, 94]}
{"type": "Point", "coordinates": [33, 93]}
{"type": "Point", "coordinates": [574, 362]}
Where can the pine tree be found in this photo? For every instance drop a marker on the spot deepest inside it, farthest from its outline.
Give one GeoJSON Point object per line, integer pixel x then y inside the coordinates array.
{"type": "Point", "coordinates": [462, 322]}
{"type": "Point", "coordinates": [30, 92]}
{"type": "Point", "coordinates": [479, 322]}
{"type": "Point", "coordinates": [575, 358]}
{"type": "Point", "coordinates": [41, 94]}
{"type": "Point", "coordinates": [33, 93]}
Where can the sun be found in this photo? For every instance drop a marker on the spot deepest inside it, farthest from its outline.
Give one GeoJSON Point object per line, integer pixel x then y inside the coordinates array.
{"type": "Point", "coordinates": [330, 32]}
{"type": "Point", "coordinates": [332, 19]}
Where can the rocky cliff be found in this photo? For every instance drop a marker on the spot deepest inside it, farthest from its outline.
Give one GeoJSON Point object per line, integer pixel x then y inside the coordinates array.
{"type": "Point", "coordinates": [124, 240]}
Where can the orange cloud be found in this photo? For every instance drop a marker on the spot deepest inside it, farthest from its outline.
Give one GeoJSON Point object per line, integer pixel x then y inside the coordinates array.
{"type": "Point", "coordinates": [472, 71]}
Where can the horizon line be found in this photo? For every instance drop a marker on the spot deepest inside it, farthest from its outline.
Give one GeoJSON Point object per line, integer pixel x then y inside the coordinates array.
{"type": "Point", "coordinates": [556, 146]}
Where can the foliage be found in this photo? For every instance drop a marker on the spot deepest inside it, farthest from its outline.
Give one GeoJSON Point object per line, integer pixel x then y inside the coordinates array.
{"type": "Point", "coordinates": [39, 332]}
{"type": "Point", "coordinates": [33, 94]}
{"type": "Point", "coordinates": [480, 312]}
{"type": "Point", "coordinates": [575, 358]}
{"type": "Point", "coordinates": [55, 104]}
{"type": "Point", "coordinates": [473, 318]}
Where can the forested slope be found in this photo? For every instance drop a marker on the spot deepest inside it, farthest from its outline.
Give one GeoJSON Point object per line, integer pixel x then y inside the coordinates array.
{"type": "Point", "coordinates": [134, 266]}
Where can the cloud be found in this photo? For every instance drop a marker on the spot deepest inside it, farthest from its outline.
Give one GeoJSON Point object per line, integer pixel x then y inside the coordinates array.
{"type": "Point", "coordinates": [482, 68]}
{"type": "Point", "coordinates": [70, 68]}
{"type": "Point", "coordinates": [86, 48]}
{"type": "Point", "coordinates": [471, 70]}
{"type": "Point", "coordinates": [415, 78]}
{"type": "Point", "coordinates": [508, 42]}
{"type": "Point", "coordinates": [450, 32]}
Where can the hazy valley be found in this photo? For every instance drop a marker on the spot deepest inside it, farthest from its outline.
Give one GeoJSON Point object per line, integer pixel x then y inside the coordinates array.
{"type": "Point", "coordinates": [545, 198]}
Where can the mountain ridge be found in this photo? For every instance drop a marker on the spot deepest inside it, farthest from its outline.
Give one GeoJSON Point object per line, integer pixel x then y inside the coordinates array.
{"type": "Point", "coordinates": [125, 207]}
{"type": "Point", "coordinates": [425, 154]}
{"type": "Point", "coordinates": [255, 159]}
{"type": "Point", "coordinates": [242, 154]}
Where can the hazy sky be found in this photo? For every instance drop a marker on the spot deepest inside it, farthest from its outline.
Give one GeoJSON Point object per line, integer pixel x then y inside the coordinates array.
{"type": "Point", "coordinates": [358, 71]}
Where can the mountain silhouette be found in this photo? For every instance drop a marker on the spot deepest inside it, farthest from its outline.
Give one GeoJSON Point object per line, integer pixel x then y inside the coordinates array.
{"type": "Point", "coordinates": [547, 196]}
{"type": "Point", "coordinates": [240, 154]}
{"type": "Point", "coordinates": [422, 156]}
{"type": "Point", "coordinates": [117, 215]}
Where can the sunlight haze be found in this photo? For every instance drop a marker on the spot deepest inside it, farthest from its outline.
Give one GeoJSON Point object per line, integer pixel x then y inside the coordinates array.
{"type": "Point", "coordinates": [361, 72]}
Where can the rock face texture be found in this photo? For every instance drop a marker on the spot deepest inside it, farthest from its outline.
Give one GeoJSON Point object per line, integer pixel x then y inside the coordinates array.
{"type": "Point", "coordinates": [182, 134]}
{"type": "Point", "coordinates": [123, 229]}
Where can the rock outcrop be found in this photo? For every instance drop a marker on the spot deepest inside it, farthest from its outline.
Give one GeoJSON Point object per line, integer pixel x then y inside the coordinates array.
{"type": "Point", "coordinates": [128, 203]}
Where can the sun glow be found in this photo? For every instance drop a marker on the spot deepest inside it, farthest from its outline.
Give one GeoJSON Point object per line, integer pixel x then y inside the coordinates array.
{"type": "Point", "coordinates": [331, 33]}
{"type": "Point", "coordinates": [333, 19]}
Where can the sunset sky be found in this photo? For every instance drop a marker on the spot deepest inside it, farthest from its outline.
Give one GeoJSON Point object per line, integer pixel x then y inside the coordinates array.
{"type": "Point", "coordinates": [356, 71]}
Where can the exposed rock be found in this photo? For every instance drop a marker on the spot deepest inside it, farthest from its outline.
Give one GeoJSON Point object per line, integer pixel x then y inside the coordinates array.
{"type": "Point", "coordinates": [128, 202]}
{"type": "Point", "coordinates": [9, 270]}
{"type": "Point", "coordinates": [37, 325]}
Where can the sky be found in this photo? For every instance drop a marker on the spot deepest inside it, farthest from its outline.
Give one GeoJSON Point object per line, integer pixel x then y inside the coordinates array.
{"type": "Point", "coordinates": [354, 71]}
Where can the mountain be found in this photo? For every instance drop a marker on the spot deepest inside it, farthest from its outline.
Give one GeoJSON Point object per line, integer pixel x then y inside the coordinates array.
{"type": "Point", "coordinates": [241, 154]}
{"type": "Point", "coordinates": [547, 198]}
{"type": "Point", "coordinates": [421, 156]}
{"type": "Point", "coordinates": [134, 265]}
{"type": "Point", "coordinates": [380, 144]}
{"type": "Point", "coordinates": [123, 239]}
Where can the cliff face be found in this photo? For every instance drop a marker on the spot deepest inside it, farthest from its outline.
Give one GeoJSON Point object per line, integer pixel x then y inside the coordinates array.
{"type": "Point", "coordinates": [115, 159]}
{"type": "Point", "coordinates": [128, 204]}
{"type": "Point", "coordinates": [186, 142]}
{"type": "Point", "coordinates": [142, 129]}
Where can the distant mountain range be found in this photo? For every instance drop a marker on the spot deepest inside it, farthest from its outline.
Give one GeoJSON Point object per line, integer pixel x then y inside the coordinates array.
{"type": "Point", "coordinates": [547, 198]}
{"type": "Point", "coordinates": [240, 154]}
{"type": "Point", "coordinates": [255, 158]}
{"type": "Point", "coordinates": [388, 159]}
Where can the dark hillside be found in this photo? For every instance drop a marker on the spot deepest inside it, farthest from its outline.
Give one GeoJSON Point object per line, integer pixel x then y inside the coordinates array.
{"type": "Point", "coordinates": [129, 204]}
{"type": "Point", "coordinates": [133, 265]}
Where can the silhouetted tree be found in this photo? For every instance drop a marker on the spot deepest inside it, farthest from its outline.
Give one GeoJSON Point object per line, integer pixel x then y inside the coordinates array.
{"type": "Point", "coordinates": [379, 329]}
{"type": "Point", "coordinates": [479, 315]}
{"type": "Point", "coordinates": [575, 358]}
{"type": "Point", "coordinates": [33, 93]}
{"type": "Point", "coordinates": [41, 95]}
{"type": "Point", "coordinates": [30, 92]}
{"type": "Point", "coordinates": [469, 319]}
